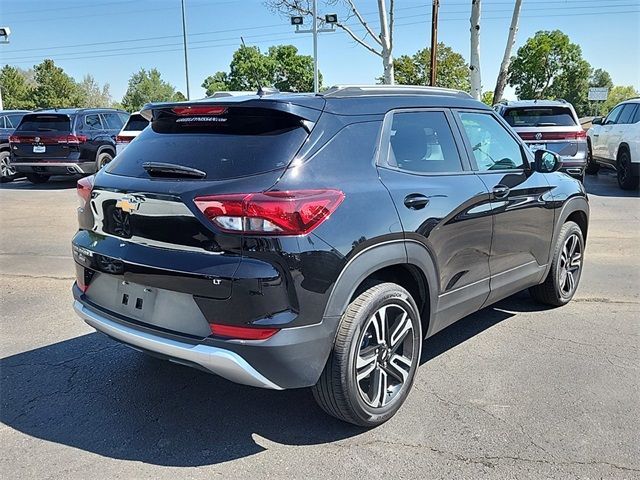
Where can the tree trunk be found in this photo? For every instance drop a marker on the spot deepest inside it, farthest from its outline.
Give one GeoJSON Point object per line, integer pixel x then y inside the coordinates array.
{"type": "Point", "coordinates": [506, 60]}
{"type": "Point", "coordinates": [385, 39]}
{"type": "Point", "coordinates": [474, 61]}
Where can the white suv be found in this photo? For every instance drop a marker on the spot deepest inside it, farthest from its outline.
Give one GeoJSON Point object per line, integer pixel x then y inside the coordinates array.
{"type": "Point", "coordinates": [615, 142]}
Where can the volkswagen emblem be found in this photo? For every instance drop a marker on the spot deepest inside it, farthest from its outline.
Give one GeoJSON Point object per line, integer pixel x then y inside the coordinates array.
{"type": "Point", "coordinates": [538, 136]}
{"type": "Point", "coordinates": [36, 139]}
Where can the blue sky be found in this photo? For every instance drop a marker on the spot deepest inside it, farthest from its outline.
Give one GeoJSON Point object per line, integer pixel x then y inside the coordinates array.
{"type": "Point", "coordinates": [111, 39]}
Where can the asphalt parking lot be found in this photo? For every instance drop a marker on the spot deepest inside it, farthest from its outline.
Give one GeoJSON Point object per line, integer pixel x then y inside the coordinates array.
{"type": "Point", "coordinates": [513, 391]}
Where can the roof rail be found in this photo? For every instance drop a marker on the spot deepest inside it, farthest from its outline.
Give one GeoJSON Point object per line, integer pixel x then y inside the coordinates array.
{"type": "Point", "coordinates": [338, 91]}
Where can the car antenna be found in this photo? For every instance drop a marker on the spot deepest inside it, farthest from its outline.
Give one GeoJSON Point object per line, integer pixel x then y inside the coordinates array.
{"type": "Point", "coordinates": [256, 76]}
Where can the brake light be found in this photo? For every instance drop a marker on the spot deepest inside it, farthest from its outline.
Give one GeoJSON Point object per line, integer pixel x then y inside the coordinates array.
{"type": "Point", "coordinates": [14, 139]}
{"type": "Point", "coordinates": [73, 139]}
{"type": "Point", "coordinates": [49, 140]}
{"type": "Point", "coordinates": [199, 110]}
{"type": "Point", "coordinates": [580, 135]}
{"type": "Point", "coordinates": [123, 139]}
{"type": "Point", "coordinates": [294, 212]}
{"type": "Point", "coordinates": [242, 333]}
{"type": "Point", "coordinates": [83, 188]}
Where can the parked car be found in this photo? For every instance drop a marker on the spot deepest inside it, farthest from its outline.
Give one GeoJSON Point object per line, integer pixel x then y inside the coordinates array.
{"type": "Point", "coordinates": [9, 120]}
{"type": "Point", "coordinates": [71, 141]}
{"type": "Point", "coordinates": [614, 142]}
{"type": "Point", "coordinates": [131, 129]}
{"type": "Point", "coordinates": [298, 240]}
{"type": "Point", "coordinates": [549, 125]}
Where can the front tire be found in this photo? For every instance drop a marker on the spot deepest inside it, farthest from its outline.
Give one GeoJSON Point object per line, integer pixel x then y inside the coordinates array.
{"type": "Point", "coordinates": [566, 268]}
{"type": "Point", "coordinates": [592, 166]}
{"type": "Point", "coordinates": [626, 179]}
{"type": "Point", "coordinates": [36, 178]}
{"type": "Point", "coordinates": [373, 363]}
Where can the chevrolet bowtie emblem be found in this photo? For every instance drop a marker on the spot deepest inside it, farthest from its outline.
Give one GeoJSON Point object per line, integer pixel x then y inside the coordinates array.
{"type": "Point", "coordinates": [128, 204]}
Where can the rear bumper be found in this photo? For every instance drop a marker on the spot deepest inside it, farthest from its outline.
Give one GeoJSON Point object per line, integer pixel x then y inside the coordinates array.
{"type": "Point", "coordinates": [55, 168]}
{"type": "Point", "coordinates": [216, 360]}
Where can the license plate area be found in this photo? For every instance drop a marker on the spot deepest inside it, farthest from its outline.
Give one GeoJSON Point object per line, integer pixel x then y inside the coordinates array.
{"type": "Point", "coordinates": [537, 146]}
{"type": "Point", "coordinates": [39, 149]}
{"type": "Point", "coordinates": [136, 301]}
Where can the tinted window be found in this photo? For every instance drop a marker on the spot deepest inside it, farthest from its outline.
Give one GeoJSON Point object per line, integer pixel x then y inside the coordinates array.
{"type": "Point", "coordinates": [627, 113]}
{"type": "Point", "coordinates": [237, 142]}
{"type": "Point", "coordinates": [613, 115]}
{"type": "Point", "coordinates": [45, 123]}
{"type": "Point", "coordinates": [112, 121]}
{"type": "Point", "coordinates": [636, 117]}
{"type": "Point", "coordinates": [93, 122]}
{"type": "Point", "coordinates": [539, 117]}
{"type": "Point", "coordinates": [2, 123]}
{"type": "Point", "coordinates": [493, 147]}
{"type": "Point", "coordinates": [14, 120]}
{"type": "Point", "coordinates": [422, 142]}
{"type": "Point", "coordinates": [136, 123]}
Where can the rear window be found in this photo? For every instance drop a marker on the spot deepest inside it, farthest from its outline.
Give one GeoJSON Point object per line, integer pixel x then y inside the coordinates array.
{"type": "Point", "coordinates": [45, 123]}
{"type": "Point", "coordinates": [540, 117]}
{"type": "Point", "coordinates": [136, 123]}
{"type": "Point", "coordinates": [236, 142]}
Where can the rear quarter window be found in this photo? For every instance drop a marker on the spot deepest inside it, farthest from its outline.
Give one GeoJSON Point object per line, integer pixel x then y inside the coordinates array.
{"type": "Point", "coordinates": [136, 123]}
{"type": "Point", "coordinates": [241, 141]}
{"type": "Point", "coordinates": [539, 117]}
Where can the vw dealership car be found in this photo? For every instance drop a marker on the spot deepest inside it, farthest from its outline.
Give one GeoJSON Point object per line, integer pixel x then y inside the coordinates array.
{"type": "Point", "coordinates": [549, 125]}
{"type": "Point", "coordinates": [71, 141]}
{"type": "Point", "coordinates": [9, 120]}
{"type": "Point", "coordinates": [131, 129]}
{"type": "Point", "coordinates": [614, 142]}
{"type": "Point", "coordinates": [298, 240]}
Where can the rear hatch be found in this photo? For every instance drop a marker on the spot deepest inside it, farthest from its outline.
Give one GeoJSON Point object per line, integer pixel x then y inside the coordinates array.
{"type": "Point", "coordinates": [140, 221]}
{"type": "Point", "coordinates": [552, 128]}
{"type": "Point", "coordinates": [44, 136]}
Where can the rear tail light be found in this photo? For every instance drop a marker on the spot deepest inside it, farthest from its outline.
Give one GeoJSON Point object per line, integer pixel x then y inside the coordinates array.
{"type": "Point", "coordinates": [49, 140]}
{"type": "Point", "coordinates": [242, 333]}
{"type": "Point", "coordinates": [294, 212]}
{"type": "Point", "coordinates": [14, 139]}
{"type": "Point", "coordinates": [84, 187]}
{"type": "Point", "coordinates": [581, 135]}
{"type": "Point", "coordinates": [123, 139]}
{"type": "Point", "coordinates": [73, 139]}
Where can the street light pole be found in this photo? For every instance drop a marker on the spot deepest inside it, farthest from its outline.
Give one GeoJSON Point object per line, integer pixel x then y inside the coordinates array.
{"type": "Point", "coordinates": [184, 41]}
{"type": "Point", "coordinates": [315, 46]}
{"type": "Point", "coordinates": [434, 42]}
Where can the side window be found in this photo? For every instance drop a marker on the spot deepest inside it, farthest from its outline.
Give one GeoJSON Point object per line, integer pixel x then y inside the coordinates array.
{"type": "Point", "coordinates": [422, 142]}
{"type": "Point", "coordinates": [493, 147]}
{"type": "Point", "coordinates": [636, 117]}
{"type": "Point", "coordinates": [112, 121]}
{"type": "Point", "coordinates": [123, 118]}
{"type": "Point", "coordinates": [93, 122]}
{"type": "Point", "coordinates": [2, 124]}
{"type": "Point", "coordinates": [613, 115]}
{"type": "Point", "coordinates": [13, 120]}
{"type": "Point", "coordinates": [627, 113]}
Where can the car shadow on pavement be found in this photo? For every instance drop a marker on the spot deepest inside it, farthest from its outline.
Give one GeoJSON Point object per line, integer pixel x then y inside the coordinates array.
{"type": "Point", "coordinates": [94, 394]}
{"type": "Point", "coordinates": [605, 184]}
{"type": "Point", "coordinates": [55, 183]}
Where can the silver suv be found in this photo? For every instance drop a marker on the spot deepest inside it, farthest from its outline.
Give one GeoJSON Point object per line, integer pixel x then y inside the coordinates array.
{"type": "Point", "coordinates": [549, 125]}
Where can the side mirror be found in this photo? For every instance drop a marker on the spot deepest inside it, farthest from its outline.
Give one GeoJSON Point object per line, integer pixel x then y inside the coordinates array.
{"type": "Point", "coordinates": [547, 162]}
{"type": "Point", "coordinates": [596, 121]}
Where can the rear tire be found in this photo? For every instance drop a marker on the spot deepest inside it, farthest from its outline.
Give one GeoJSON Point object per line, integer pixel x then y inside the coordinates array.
{"type": "Point", "coordinates": [374, 359]}
{"type": "Point", "coordinates": [566, 267]}
{"type": "Point", "coordinates": [103, 159]}
{"type": "Point", "coordinates": [626, 179]}
{"type": "Point", "coordinates": [592, 166]}
{"type": "Point", "coordinates": [36, 178]}
{"type": "Point", "coordinates": [7, 172]}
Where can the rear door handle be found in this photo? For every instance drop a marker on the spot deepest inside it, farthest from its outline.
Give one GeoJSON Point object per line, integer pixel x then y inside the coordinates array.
{"type": "Point", "coordinates": [415, 201]}
{"type": "Point", "coordinates": [500, 191]}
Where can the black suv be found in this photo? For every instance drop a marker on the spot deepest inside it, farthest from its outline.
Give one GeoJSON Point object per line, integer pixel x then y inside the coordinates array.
{"type": "Point", "coordinates": [9, 120]}
{"type": "Point", "coordinates": [73, 141]}
{"type": "Point", "coordinates": [298, 240]}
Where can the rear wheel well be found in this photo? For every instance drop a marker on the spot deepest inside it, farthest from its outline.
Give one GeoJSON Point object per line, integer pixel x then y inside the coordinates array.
{"type": "Point", "coordinates": [410, 278]}
{"type": "Point", "coordinates": [580, 218]}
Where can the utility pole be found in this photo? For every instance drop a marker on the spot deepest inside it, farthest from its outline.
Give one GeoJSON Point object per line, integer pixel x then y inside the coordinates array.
{"type": "Point", "coordinates": [434, 42]}
{"type": "Point", "coordinates": [314, 28]}
{"type": "Point", "coordinates": [186, 57]}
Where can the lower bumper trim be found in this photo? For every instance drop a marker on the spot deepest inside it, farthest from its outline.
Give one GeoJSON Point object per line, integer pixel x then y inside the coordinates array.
{"type": "Point", "coordinates": [216, 360]}
{"type": "Point", "coordinates": [69, 165]}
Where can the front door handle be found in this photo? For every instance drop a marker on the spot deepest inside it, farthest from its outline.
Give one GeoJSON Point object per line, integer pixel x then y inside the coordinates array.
{"type": "Point", "coordinates": [500, 191]}
{"type": "Point", "coordinates": [415, 201]}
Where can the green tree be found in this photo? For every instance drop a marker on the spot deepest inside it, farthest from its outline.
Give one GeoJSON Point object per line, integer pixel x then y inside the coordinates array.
{"type": "Point", "coordinates": [487, 98]}
{"type": "Point", "coordinates": [218, 82]}
{"type": "Point", "coordinates": [452, 70]}
{"type": "Point", "coordinates": [616, 95]}
{"type": "Point", "coordinates": [17, 92]}
{"type": "Point", "coordinates": [94, 95]}
{"type": "Point", "coordinates": [548, 65]}
{"type": "Point", "coordinates": [281, 67]}
{"type": "Point", "coordinates": [54, 88]}
{"type": "Point", "coordinates": [147, 86]}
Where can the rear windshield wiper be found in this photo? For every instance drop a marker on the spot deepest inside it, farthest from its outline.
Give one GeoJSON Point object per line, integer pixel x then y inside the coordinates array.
{"type": "Point", "coordinates": [171, 170]}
